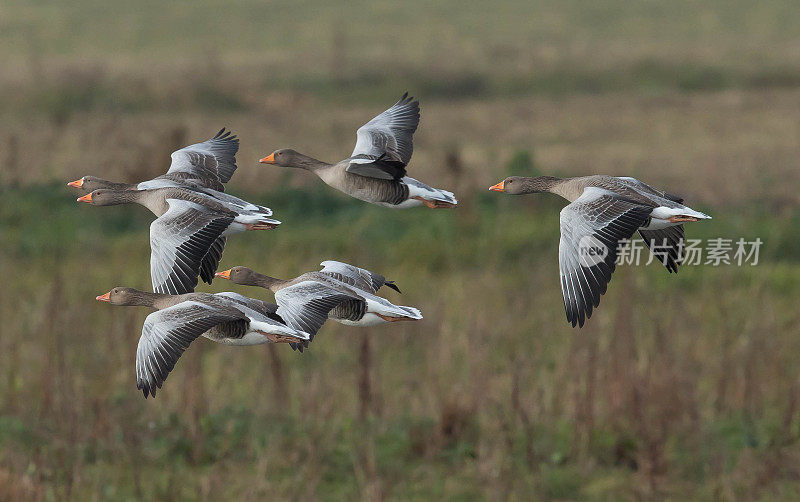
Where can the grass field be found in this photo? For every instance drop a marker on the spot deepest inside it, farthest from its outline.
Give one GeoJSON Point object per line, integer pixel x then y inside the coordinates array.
{"type": "Point", "coordinates": [679, 387]}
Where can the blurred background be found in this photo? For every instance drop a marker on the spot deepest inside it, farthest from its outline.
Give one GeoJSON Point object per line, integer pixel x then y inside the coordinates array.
{"type": "Point", "coordinates": [679, 386]}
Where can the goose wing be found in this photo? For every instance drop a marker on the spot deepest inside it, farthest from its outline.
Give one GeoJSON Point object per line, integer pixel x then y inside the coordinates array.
{"type": "Point", "coordinates": [167, 333]}
{"type": "Point", "coordinates": [213, 160]}
{"type": "Point", "coordinates": [645, 189]}
{"type": "Point", "coordinates": [180, 239]}
{"type": "Point", "coordinates": [591, 228]}
{"type": "Point", "coordinates": [305, 304]}
{"type": "Point", "coordinates": [667, 244]}
{"type": "Point", "coordinates": [384, 144]}
{"type": "Point", "coordinates": [355, 276]}
{"type": "Point", "coordinates": [262, 307]}
{"type": "Point", "coordinates": [210, 262]}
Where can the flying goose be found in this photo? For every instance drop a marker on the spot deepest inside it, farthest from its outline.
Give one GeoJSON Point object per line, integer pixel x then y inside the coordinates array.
{"type": "Point", "coordinates": [308, 300]}
{"type": "Point", "coordinates": [604, 210]}
{"type": "Point", "coordinates": [376, 170]}
{"type": "Point", "coordinates": [227, 318]}
{"type": "Point", "coordinates": [188, 236]}
{"type": "Point", "coordinates": [203, 165]}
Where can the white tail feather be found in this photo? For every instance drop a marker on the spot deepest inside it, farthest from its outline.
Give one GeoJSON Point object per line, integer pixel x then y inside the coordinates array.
{"type": "Point", "coordinates": [418, 189]}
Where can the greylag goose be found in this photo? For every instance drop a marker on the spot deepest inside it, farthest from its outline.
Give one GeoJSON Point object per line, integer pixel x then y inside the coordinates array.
{"type": "Point", "coordinates": [308, 300]}
{"type": "Point", "coordinates": [188, 236]}
{"type": "Point", "coordinates": [227, 318]}
{"type": "Point", "coordinates": [203, 165]}
{"type": "Point", "coordinates": [604, 210]}
{"type": "Point", "coordinates": [376, 170]}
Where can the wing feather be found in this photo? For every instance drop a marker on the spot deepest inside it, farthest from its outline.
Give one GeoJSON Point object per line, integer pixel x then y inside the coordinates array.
{"type": "Point", "coordinates": [355, 276]}
{"type": "Point", "coordinates": [591, 229]}
{"type": "Point", "coordinates": [180, 239]}
{"type": "Point", "coordinates": [305, 305]}
{"type": "Point", "coordinates": [385, 144]}
{"type": "Point", "coordinates": [214, 159]}
{"type": "Point", "coordinates": [667, 244]}
{"type": "Point", "coordinates": [167, 333]}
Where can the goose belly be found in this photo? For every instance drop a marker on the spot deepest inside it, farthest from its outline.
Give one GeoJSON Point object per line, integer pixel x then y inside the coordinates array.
{"type": "Point", "coordinates": [369, 319]}
{"type": "Point", "coordinates": [234, 228]}
{"type": "Point", "coordinates": [405, 204]}
{"type": "Point", "coordinates": [249, 338]}
{"type": "Point", "coordinates": [387, 193]}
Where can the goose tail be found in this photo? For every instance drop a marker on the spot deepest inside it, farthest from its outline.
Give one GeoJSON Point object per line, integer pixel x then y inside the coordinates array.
{"type": "Point", "coordinates": [419, 189]}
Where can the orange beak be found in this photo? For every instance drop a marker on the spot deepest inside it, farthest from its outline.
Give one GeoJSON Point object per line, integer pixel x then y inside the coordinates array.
{"type": "Point", "coordinates": [269, 159]}
{"type": "Point", "coordinates": [76, 183]}
{"type": "Point", "coordinates": [498, 187]}
{"type": "Point", "coordinates": [104, 298]}
{"type": "Point", "coordinates": [225, 274]}
{"type": "Point", "coordinates": [86, 198]}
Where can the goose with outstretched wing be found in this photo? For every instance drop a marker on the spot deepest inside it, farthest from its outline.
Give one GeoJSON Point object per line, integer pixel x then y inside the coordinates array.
{"type": "Point", "coordinates": [227, 318]}
{"type": "Point", "coordinates": [188, 236]}
{"type": "Point", "coordinates": [603, 212]}
{"type": "Point", "coordinates": [376, 170]}
{"type": "Point", "coordinates": [209, 164]}
{"type": "Point", "coordinates": [203, 167]}
{"type": "Point", "coordinates": [308, 300]}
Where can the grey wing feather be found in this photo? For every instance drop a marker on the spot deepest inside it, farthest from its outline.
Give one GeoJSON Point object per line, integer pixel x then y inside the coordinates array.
{"type": "Point", "coordinates": [235, 203]}
{"type": "Point", "coordinates": [210, 261]}
{"type": "Point", "coordinates": [352, 275]}
{"type": "Point", "coordinates": [305, 305]}
{"type": "Point", "coordinates": [372, 167]}
{"type": "Point", "coordinates": [179, 242]}
{"type": "Point", "coordinates": [262, 307]}
{"type": "Point", "coordinates": [214, 158]}
{"type": "Point", "coordinates": [667, 244]}
{"type": "Point", "coordinates": [167, 333]}
{"type": "Point", "coordinates": [389, 136]}
{"type": "Point", "coordinates": [591, 228]}
{"type": "Point", "coordinates": [646, 189]}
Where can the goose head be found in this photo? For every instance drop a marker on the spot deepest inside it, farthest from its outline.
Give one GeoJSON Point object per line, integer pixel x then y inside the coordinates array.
{"type": "Point", "coordinates": [125, 296]}
{"type": "Point", "coordinates": [517, 185]}
{"type": "Point", "coordinates": [240, 275]}
{"type": "Point", "coordinates": [106, 197]}
{"type": "Point", "coordinates": [91, 183]}
{"type": "Point", "coordinates": [287, 157]}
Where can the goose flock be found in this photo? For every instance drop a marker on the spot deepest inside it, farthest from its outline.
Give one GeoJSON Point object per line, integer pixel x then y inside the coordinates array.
{"type": "Point", "coordinates": [195, 216]}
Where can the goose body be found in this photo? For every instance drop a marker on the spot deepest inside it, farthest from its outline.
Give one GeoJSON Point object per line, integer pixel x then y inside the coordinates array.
{"type": "Point", "coordinates": [189, 234]}
{"type": "Point", "coordinates": [376, 170]}
{"type": "Point", "coordinates": [339, 292]}
{"type": "Point", "coordinates": [209, 164]}
{"type": "Point", "coordinates": [227, 318]}
{"type": "Point", "coordinates": [356, 313]}
{"type": "Point", "coordinates": [603, 211]}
